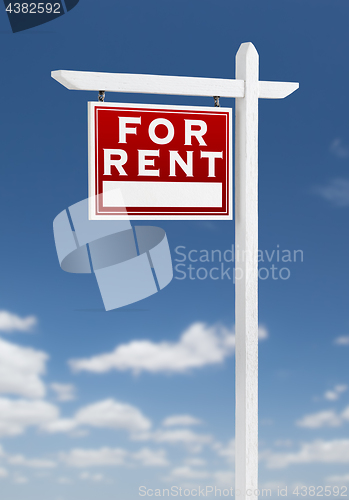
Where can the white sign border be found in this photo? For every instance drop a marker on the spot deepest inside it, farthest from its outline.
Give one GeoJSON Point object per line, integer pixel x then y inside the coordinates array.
{"type": "Point", "coordinates": [91, 162]}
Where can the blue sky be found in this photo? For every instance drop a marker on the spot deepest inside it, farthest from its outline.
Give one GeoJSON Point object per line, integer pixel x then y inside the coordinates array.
{"type": "Point", "coordinates": [105, 434]}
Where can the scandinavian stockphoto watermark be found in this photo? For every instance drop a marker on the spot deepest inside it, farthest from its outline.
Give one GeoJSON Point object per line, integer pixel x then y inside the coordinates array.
{"type": "Point", "coordinates": [202, 264]}
{"type": "Point", "coordinates": [214, 491]}
{"type": "Point", "coordinates": [200, 491]}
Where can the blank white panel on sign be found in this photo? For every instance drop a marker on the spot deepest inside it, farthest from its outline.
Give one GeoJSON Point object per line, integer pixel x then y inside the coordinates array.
{"type": "Point", "coordinates": [162, 194]}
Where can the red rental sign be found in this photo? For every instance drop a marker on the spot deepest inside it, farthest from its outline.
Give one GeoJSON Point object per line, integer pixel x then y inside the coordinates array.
{"type": "Point", "coordinates": [159, 162]}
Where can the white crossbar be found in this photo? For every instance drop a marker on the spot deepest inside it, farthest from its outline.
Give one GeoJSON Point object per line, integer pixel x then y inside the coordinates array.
{"type": "Point", "coordinates": [170, 85]}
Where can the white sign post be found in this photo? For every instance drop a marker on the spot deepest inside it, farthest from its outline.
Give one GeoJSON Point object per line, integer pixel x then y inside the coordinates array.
{"type": "Point", "coordinates": [247, 89]}
{"type": "Point", "coordinates": [246, 270]}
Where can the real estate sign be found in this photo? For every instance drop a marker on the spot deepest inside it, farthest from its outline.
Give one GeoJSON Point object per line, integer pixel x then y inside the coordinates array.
{"type": "Point", "coordinates": [159, 162]}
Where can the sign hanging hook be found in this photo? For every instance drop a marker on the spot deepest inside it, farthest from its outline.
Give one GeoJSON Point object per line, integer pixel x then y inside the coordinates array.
{"type": "Point", "coordinates": [101, 95]}
{"type": "Point", "coordinates": [216, 101]}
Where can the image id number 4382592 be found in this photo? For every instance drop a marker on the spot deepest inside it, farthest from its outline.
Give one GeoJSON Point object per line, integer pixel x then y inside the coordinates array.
{"type": "Point", "coordinates": [34, 8]}
{"type": "Point", "coordinates": [320, 491]}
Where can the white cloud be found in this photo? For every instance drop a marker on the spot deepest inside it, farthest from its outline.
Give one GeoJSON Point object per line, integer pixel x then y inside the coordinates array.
{"type": "Point", "coordinates": [200, 345]}
{"type": "Point", "coordinates": [193, 441]}
{"type": "Point", "coordinates": [20, 370]}
{"type": "Point", "coordinates": [87, 476]}
{"type": "Point", "coordinates": [228, 451]}
{"type": "Point", "coordinates": [345, 413]}
{"type": "Point", "coordinates": [184, 420]}
{"type": "Point", "coordinates": [17, 415]}
{"type": "Point", "coordinates": [109, 414]}
{"type": "Point", "coordinates": [319, 451]}
{"type": "Point", "coordinates": [224, 479]}
{"type": "Point", "coordinates": [263, 333]}
{"type": "Point", "coordinates": [335, 393]}
{"type": "Point", "coordinates": [339, 149]}
{"type": "Point", "coordinates": [36, 463]}
{"type": "Point", "coordinates": [343, 340]}
{"type": "Point", "coordinates": [331, 395]}
{"type": "Point", "coordinates": [10, 322]}
{"type": "Point", "coordinates": [79, 457]}
{"type": "Point", "coordinates": [64, 392]}
{"type": "Point", "coordinates": [79, 433]}
{"type": "Point", "coordinates": [341, 388]}
{"type": "Point", "coordinates": [336, 192]}
{"type": "Point", "coordinates": [102, 457]}
{"type": "Point", "coordinates": [151, 458]}
{"type": "Point", "coordinates": [113, 415]}
{"type": "Point", "coordinates": [187, 472]}
{"type": "Point", "coordinates": [3, 472]}
{"type": "Point", "coordinates": [195, 462]}
{"type": "Point", "coordinates": [60, 425]}
{"type": "Point", "coordinates": [327, 418]}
